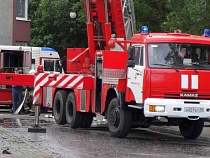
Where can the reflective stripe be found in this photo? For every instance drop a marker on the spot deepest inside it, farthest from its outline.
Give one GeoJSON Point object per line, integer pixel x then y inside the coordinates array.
{"type": "Point", "coordinates": [194, 83]}
{"type": "Point", "coordinates": [184, 81]}
{"type": "Point", "coordinates": [62, 81]}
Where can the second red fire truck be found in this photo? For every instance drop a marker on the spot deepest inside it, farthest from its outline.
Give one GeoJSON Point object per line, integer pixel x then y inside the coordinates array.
{"type": "Point", "coordinates": [27, 59]}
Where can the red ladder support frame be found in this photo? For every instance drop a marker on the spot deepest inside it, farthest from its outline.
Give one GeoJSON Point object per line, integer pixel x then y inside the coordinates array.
{"type": "Point", "coordinates": [96, 15]}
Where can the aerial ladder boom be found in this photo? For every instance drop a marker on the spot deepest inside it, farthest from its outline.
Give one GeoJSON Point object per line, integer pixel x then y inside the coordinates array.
{"type": "Point", "coordinates": [108, 19]}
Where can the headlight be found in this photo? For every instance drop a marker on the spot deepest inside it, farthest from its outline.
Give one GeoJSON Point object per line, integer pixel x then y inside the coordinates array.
{"type": "Point", "coordinates": [156, 108]}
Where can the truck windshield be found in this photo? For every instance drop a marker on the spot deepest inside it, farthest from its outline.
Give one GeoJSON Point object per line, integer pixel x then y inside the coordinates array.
{"type": "Point", "coordinates": [52, 65]}
{"type": "Point", "coordinates": [179, 55]}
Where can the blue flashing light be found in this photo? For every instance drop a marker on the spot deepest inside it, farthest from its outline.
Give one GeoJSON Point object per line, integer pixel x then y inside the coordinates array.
{"type": "Point", "coordinates": [47, 49]}
{"type": "Point", "coordinates": [206, 33]}
{"type": "Point", "coordinates": [144, 29]}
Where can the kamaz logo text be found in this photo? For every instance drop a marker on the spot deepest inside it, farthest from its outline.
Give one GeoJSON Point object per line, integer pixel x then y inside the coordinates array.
{"type": "Point", "coordinates": [188, 95]}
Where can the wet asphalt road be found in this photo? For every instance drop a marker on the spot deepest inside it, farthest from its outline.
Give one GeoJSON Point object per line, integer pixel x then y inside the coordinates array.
{"type": "Point", "coordinates": [95, 142]}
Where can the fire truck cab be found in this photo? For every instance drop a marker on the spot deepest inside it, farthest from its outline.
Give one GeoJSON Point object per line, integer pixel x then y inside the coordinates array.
{"type": "Point", "coordinates": [168, 79]}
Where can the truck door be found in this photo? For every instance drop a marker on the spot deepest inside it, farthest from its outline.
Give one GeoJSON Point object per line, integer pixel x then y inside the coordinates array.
{"type": "Point", "coordinates": [136, 74]}
{"type": "Point", "coordinates": [27, 62]}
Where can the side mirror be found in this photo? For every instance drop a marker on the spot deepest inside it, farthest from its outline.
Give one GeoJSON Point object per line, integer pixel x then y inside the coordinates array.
{"type": "Point", "coordinates": [131, 51]}
{"type": "Point", "coordinates": [61, 66]}
{"type": "Point", "coordinates": [60, 69]}
{"type": "Point", "coordinates": [130, 63]}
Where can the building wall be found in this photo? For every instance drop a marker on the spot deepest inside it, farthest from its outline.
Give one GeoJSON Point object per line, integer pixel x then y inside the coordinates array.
{"type": "Point", "coordinates": [12, 31]}
{"type": "Point", "coordinates": [21, 29]}
{"type": "Point", "coordinates": [6, 22]}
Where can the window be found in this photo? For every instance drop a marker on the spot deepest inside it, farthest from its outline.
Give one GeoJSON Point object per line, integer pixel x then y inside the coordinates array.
{"type": "Point", "coordinates": [138, 56]}
{"type": "Point", "coordinates": [22, 9]}
{"type": "Point", "coordinates": [179, 56]}
{"type": "Point", "coordinates": [52, 65]}
{"type": "Point", "coordinates": [12, 59]}
{"type": "Point", "coordinates": [49, 65]}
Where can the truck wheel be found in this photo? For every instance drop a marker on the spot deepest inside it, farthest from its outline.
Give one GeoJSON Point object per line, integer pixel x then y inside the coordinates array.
{"type": "Point", "coordinates": [191, 129]}
{"type": "Point", "coordinates": [87, 120]}
{"type": "Point", "coordinates": [59, 107]}
{"type": "Point", "coordinates": [119, 120]}
{"type": "Point", "coordinates": [74, 118]}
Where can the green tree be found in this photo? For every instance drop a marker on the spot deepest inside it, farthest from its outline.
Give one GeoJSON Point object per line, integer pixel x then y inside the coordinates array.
{"type": "Point", "coordinates": [52, 26]}
{"type": "Point", "coordinates": [150, 13]}
{"type": "Point", "coordinates": [191, 16]}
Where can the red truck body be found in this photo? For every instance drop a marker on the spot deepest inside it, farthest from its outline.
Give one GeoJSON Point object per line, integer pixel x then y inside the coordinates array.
{"type": "Point", "coordinates": [117, 78]}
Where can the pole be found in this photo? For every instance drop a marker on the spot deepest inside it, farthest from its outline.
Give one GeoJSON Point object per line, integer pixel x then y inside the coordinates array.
{"type": "Point", "coordinates": [36, 128]}
{"type": "Point", "coordinates": [76, 30]}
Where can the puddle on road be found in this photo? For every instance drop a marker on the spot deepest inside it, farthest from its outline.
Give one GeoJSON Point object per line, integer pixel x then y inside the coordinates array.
{"type": "Point", "coordinates": [25, 122]}
{"type": "Point", "coordinates": [18, 123]}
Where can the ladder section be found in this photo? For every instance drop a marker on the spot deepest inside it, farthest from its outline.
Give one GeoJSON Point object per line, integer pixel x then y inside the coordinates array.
{"type": "Point", "coordinates": [109, 17]}
{"type": "Point", "coordinates": [122, 18]}
{"type": "Point", "coordinates": [96, 15]}
{"type": "Point", "coordinates": [117, 19]}
{"type": "Point", "coordinates": [129, 18]}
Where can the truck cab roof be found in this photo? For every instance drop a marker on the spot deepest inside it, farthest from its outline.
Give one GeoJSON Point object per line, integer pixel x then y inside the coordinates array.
{"type": "Point", "coordinates": [169, 37]}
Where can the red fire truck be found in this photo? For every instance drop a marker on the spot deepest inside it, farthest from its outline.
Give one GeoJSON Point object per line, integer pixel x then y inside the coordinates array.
{"type": "Point", "coordinates": [133, 80]}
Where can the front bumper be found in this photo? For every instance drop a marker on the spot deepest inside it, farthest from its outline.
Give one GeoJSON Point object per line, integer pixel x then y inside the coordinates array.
{"type": "Point", "coordinates": [178, 108]}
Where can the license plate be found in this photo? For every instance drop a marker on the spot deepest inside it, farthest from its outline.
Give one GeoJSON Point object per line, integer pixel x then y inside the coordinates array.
{"type": "Point", "coordinates": [194, 110]}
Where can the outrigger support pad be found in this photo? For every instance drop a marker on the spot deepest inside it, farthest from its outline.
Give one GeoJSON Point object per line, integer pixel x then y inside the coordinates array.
{"type": "Point", "coordinates": [36, 128]}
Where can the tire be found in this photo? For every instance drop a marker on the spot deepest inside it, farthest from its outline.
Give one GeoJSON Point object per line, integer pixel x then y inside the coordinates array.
{"type": "Point", "coordinates": [87, 120]}
{"type": "Point", "coordinates": [59, 107]}
{"type": "Point", "coordinates": [191, 129]}
{"type": "Point", "coordinates": [119, 120]}
{"type": "Point", "coordinates": [74, 118]}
